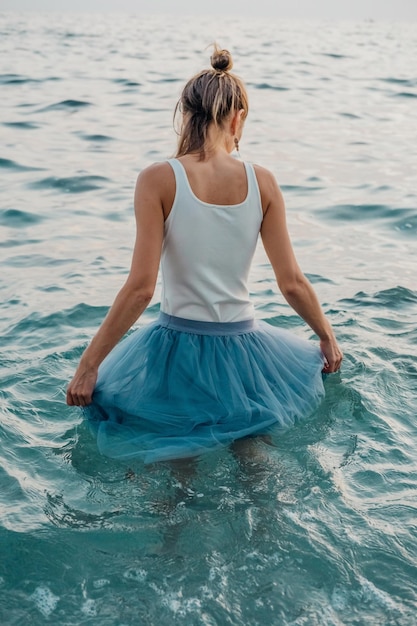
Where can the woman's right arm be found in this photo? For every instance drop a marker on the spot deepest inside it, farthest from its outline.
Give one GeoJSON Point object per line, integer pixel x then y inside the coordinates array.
{"type": "Point", "coordinates": [294, 286]}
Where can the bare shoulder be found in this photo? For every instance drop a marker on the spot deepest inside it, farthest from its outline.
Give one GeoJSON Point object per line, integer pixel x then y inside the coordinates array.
{"type": "Point", "coordinates": [265, 177]}
{"type": "Point", "coordinates": [156, 173]}
{"type": "Point", "coordinates": [268, 187]}
{"type": "Point", "coordinates": [155, 185]}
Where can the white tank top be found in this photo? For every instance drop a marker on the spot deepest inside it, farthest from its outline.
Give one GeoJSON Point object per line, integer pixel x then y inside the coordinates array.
{"type": "Point", "coordinates": [207, 253]}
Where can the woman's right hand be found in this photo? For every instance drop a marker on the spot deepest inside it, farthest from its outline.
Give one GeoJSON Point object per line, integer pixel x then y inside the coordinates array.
{"type": "Point", "coordinates": [80, 390]}
{"type": "Point", "coordinates": [333, 355]}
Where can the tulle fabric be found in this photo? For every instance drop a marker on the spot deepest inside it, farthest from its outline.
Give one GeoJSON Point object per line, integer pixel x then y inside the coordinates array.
{"type": "Point", "coordinates": [165, 393]}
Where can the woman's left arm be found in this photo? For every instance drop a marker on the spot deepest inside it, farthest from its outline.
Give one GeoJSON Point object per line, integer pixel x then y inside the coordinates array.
{"type": "Point", "coordinates": [136, 293]}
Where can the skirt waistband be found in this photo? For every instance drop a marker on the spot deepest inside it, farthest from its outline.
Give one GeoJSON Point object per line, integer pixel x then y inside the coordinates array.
{"type": "Point", "coordinates": [205, 328]}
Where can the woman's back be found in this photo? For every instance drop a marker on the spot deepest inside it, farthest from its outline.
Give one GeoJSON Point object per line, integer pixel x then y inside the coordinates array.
{"type": "Point", "coordinates": [210, 239]}
{"type": "Point", "coordinates": [222, 180]}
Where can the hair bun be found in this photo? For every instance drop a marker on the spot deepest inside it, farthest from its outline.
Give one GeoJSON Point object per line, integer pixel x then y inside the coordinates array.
{"type": "Point", "coordinates": [221, 60]}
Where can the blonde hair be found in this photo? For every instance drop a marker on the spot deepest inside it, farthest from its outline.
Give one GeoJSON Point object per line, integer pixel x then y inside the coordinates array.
{"type": "Point", "coordinates": [209, 98]}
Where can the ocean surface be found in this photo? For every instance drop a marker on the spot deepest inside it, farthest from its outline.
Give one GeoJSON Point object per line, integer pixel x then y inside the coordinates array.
{"type": "Point", "coordinates": [319, 528]}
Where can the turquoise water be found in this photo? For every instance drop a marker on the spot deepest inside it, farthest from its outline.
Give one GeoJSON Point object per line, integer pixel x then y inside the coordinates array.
{"type": "Point", "coordinates": [318, 528]}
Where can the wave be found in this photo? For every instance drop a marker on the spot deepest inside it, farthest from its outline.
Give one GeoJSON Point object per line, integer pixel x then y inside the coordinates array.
{"type": "Point", "coordinates": [71, 184]}
{"type": "Point", "coordinates": [334, 55]}
{"type": "Point", "coordinates": [97, 137]}
{"type": "Point", "coordinates": [15, 243]}
{"type": "Point", "coordinates": [400, 220]}
{"type": "Point", "coordinates": [17, 167]}
{"type": "Point", "coordinates": [22, 125]}
{"type": "Point", "coordinates": [393, 298]}
{"type": "Point", "coordinates": [406, 82]}
{"type": "Point", "coordinates": [405, 94]}
{"type": "Point", "coordinates": [126, 82]}
{"type": "Point", "coordinates": [80, 316]}
{"type": "Point", "coordinates": [15, 218]}
{"type": "Point", "coordinates": [66, 104]}
{"type": "Point", "coordinates": [300, 189]}
{"type": "Point", "coordinates": [15, 79]}
{"type": "Point", "coordinates": [33, 260]}
{"type": "Point", "coordinates": [317, 278]}
{"type": "Point", "coordinates": [18, 79]}
{"type": "Point", "coordinates": [269, 86]}
{"type": "Point", "coordinates": [351, 116]}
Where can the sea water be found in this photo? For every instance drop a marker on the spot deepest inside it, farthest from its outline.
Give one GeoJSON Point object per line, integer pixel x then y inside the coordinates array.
{"type": "Point", "coordinates": [319, 526]}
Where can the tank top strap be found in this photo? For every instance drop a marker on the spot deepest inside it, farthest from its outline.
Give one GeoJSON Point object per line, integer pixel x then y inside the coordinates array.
{"type": "Point", "coordinates": [254, 194]}
{"type": "Point", "coordinates": [179, 171]}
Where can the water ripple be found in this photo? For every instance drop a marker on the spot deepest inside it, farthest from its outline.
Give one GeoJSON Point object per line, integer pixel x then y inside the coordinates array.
{"type": "Point", "coordinates": [15, 79]}
{"type": "Point", "coordinates": [96, 138]}
{"type": "Point", "coordinates": [269, 86]}
{"type": "Point", "coordinates": [22, 125]}
{"type": "Point", "coordinates": [14, 218]}
{"type": "Point", "coordinates": [70, 184]}
{"type": "Point", "coordinates": [402, 220]}
{"type": "Point", "coordinates": [66, 104]}
{"type": "Point", "coordinates": [17, 167]}
{"type": "Point", "coordinates": [391, 299]}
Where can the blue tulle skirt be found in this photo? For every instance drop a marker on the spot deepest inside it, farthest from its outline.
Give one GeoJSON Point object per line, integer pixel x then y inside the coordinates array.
{"type": "Point", "coordinates": [177, 388]}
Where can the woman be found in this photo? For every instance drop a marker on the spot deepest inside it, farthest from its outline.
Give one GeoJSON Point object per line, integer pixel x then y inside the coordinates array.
{"type": "Point", "coordinates": [206, 373]}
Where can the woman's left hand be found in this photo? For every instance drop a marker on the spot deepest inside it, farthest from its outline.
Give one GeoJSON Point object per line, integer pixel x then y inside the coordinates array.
{"type": "Point", "coordinates": [80, 390]}
{"type": "Point", "coordinates": [333, 355]}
